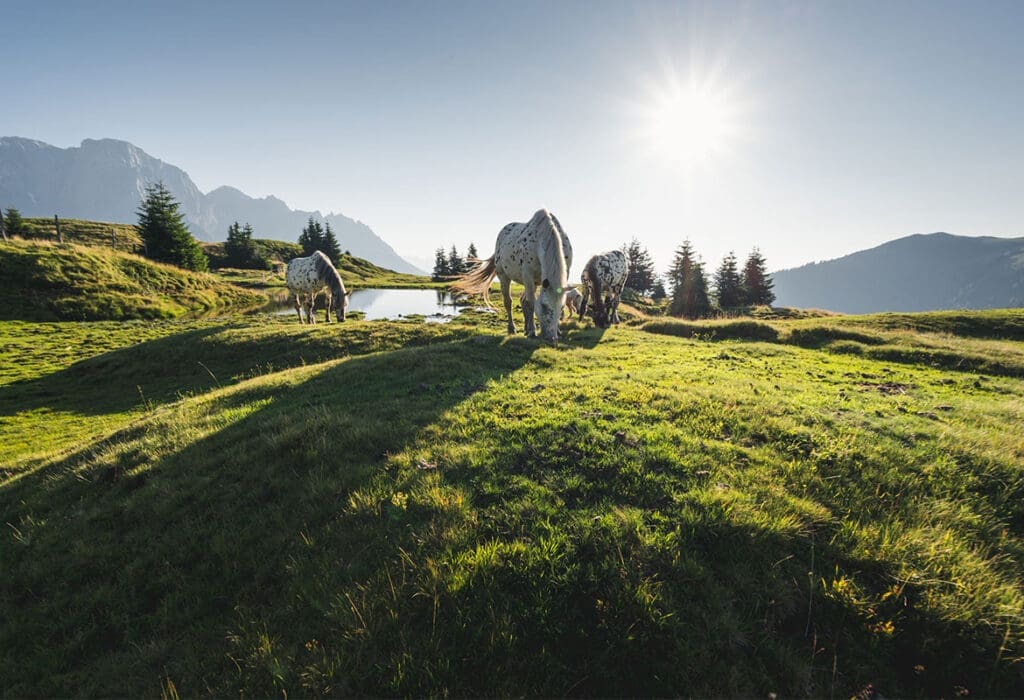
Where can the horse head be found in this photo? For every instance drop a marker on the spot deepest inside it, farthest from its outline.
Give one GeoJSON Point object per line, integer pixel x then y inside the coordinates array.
{"type": "Point", "coordinates": [340, 302]}
{"type": "Point", "coordinates": [549, 310]}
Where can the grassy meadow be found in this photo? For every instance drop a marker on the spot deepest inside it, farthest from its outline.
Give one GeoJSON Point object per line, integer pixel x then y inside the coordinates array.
{"type": "Point", "coordinates": [245, 506]}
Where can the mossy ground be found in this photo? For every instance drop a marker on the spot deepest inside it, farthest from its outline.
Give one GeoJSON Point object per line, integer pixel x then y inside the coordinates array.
{"type": "Point", "coordinates": [248, 506]}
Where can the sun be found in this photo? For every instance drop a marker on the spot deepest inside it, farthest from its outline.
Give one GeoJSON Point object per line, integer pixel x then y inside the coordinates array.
{"type": "Point", "coordinates": [689, 125]}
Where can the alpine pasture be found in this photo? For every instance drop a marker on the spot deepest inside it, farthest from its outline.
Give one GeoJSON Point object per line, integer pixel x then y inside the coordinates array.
{"type": "Point", "coordinates": [245, 506]}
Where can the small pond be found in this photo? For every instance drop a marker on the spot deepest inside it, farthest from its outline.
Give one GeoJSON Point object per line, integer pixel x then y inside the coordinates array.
{"type": "Point", "coordinates": [434, 305]}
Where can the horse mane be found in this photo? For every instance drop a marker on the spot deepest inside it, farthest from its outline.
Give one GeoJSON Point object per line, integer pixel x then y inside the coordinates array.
{"type": "Point", "coordinates": [552, 255]}
{"type": "Point", "coordinates": [328, 274]}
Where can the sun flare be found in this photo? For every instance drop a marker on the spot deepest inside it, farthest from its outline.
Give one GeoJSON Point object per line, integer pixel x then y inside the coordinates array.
{"type": "Point", "coordinates": [689, 125]}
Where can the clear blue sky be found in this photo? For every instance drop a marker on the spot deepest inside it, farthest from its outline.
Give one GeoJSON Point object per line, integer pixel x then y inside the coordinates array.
{"type": "Point", "coordinates": [834, 126]}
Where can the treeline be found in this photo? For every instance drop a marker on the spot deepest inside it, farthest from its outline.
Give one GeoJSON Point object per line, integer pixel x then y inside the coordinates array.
{"type": "Point", "coordinates": [730, 287]}
{"type": "Point", "coordinates": [450, 264]}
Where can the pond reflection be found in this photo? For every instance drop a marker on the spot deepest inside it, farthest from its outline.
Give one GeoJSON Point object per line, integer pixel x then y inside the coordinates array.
{"type": "Point", "coordinates": [434, 305]}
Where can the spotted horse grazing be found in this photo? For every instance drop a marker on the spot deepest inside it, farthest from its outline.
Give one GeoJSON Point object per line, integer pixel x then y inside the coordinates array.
{"type": "Point", "coordinates": [535, 254]}
{"type": "Point", "coordinates": [307, 277]}
{"type": "Point", "coordinates": [603, 278]}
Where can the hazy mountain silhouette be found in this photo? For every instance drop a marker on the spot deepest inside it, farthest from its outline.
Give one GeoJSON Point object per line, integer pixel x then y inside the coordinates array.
{"type": "Point", "coordinates": [105, 179]}
{"type": "Point", "coordinates": [923, 272]}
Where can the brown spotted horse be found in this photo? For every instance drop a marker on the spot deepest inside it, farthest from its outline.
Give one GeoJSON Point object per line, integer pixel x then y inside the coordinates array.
{"type": "Point", "coordinates": [536, 254]}
{"type": "Point", "coordinates": [603, 278]}
{"type": "Point", "coordinates": [307, 277]}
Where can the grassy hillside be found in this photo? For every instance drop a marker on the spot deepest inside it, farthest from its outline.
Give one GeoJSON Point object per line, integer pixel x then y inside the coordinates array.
{"type": "Point", "coordinates": [257, 508]}
{"type": "Point", "coordinates": [355, 272]}
{"type": "Point", "coordinates": [42, 281]}
{"type": "Point", "coordinates": [93, 233]}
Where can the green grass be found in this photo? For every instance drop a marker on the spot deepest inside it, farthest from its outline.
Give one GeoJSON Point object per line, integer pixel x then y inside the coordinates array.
{"type": "Point", "coordinates": [257, 508]}
{"type": "Point", "coordinates": [123, 237]}
{"type": "Point", "coordinates": [44, 281]}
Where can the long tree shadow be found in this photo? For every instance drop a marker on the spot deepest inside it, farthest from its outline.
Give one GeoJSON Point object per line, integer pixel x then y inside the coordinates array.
{"type": "Point", "coordinates": [163, 369]}
{"type": "Point", "coordinates": [134, 554]}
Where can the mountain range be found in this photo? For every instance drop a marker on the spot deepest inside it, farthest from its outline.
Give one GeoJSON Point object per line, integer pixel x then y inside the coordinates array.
{"type": "Point", "coordinates": [923, 272]}
{"type": "Point", "coordinates": [105, 179]}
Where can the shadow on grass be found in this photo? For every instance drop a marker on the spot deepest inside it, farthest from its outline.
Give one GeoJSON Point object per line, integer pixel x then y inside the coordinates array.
{"type": "Point", "coordinates": [126, 559]}
{"type": "Point", "coordinates": [161, 370]}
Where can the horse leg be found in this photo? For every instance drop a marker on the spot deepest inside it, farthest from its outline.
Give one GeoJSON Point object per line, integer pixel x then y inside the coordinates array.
{"type": "Point", "coordinates": [529, 297]}
{"type": "Point", "coordinates": [327, 309]}
{"type": "Point", "coordinates": [298, 308]}
{"type": "Point", "coordinates": [584, 300]}
{"type": "Point", "coordinates": [506, 295]}
{"type": "Point", "coordinates": [311, 310]}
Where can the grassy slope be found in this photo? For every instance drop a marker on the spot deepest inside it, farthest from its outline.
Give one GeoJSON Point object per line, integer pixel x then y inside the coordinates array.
{"type": "Point", "coordinates": [386, 508]}
{"type": "Point", "coordinates": [92, 233]}
{"type": "Point", "coordinates": [42, 281]}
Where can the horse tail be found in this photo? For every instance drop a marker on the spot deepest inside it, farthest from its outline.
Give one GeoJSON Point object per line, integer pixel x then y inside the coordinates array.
{"type": "Point", "coordinates": [477, 280]}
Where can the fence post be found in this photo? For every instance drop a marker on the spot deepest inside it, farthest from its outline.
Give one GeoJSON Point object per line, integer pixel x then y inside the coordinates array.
{"type": "Point", "coordinates": [113, 239]}
{"type": "Point", "coordinates": [56, 222]}
{"type": "Point", "coordinates": [3, 231]}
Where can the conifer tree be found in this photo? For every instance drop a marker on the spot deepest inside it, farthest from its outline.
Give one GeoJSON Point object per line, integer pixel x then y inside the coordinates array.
{"type": "Point", "coordinates": [641, 268]}
{"type": "Point", "coordinates": [471, 258]}
{"type": "Point", "coordinates": [658, 291]}
{"type": "Point", "coordinates": [163, 231]}
{"type": "Point", "coordinates": [14, 225]}
{"type": "Point", "coordinates": [757, 285]}
{"type": "Point", "coordinates": [455, 262]}
{"type": "Point", "coordinates": [330, 244]}
{"type": "Point", "coordinates": [312, 237]}
{"type": "Point", "coordinates": [728, 287]}
{"type": "Point", "coordinates": [689, 285]}
{"type": "Point", "coordinates": [242, 251]}
{"type": "Point", "coordinates": [441, 270]}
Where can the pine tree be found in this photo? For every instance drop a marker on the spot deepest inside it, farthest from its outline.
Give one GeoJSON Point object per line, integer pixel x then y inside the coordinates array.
{"type": "Point", "coordinates": [454, 262]}
{"type": "Point", "coordinates": [641, 268]}
{"type": "Point", "coordinates": [330, 244]}
{"type": "Point", "coordinates": [728, 288]}
{"type": "Point", "coordinates": [658, 291]}
{"type": "Point", "coordinates": [14, 225]}
{"type": "Point", "coordinates": [689, 285]}
{"type": "Point", "coordinates": [757, 285]}
{"type": "Point", "coordinates": [163, 231]}
{"type": "Point", "coordinates": [242, 251]}
{"type": "Point", "coordinates": [312, 237]}
{"type": "Point", "coordinates": [471, 258]}
{"type": "Point", "coordinates": [441, 270]}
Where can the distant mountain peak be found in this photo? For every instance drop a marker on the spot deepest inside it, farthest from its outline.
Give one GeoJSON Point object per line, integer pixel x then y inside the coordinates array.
{"type": "Point", "coordinates": [920, 272]}
{"type": "Point", "coordinates": [104, 179]}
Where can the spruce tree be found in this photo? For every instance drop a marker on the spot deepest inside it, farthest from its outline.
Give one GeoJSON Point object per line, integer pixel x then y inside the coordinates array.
{"type": "Point", "coordinates": [454, 262]}
{"type": "Point", "coordinates": [689, 285]}
{"type": "Point", "coordinates": [757, 285]}
{"type": "Point", "coordinates": [14, 225]}
{"type": "Point", "coordinates": [312, 237]}
{"type": "Point", "coordinates": [330, 244]}
{"type": "Point", "coordinates": [658, 291]}
{"type": "Point", "coordinates": [441, 270]}
{"type": "Point", "coordinates": [728, 287]}
{"type": "Point", "coordinates": [471, 258]}
{"type": "Point", "coordinates": [641, 268]}
{"type": "Point", "coordinates": [163, 231]}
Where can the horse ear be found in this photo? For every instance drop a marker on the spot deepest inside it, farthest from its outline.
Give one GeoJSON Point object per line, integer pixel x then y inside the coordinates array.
{"type": "Point", "coordinates": [545, 284]}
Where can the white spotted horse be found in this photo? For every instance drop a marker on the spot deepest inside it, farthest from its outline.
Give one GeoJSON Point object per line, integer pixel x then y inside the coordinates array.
{"type": "Point", "coordinates": [307, 277]}
{"type": "Point", "coordinates": [537, 253]}
{"type": "Point", "coordinates": [603, 278]}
